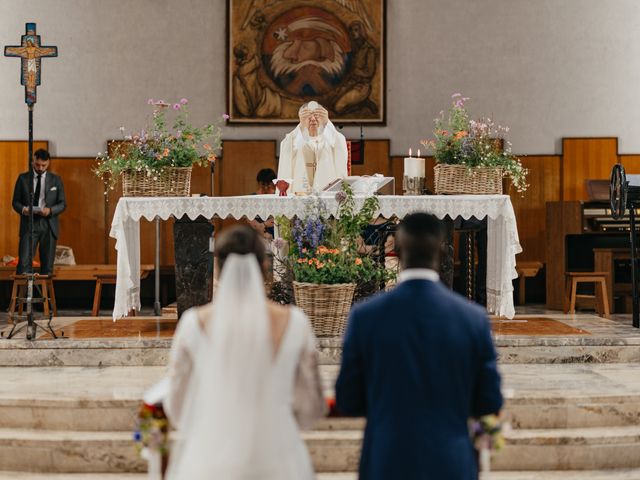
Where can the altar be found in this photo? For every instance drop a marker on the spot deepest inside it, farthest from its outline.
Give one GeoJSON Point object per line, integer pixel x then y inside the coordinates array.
{"type": "Point", "coordinates": [502, 235]}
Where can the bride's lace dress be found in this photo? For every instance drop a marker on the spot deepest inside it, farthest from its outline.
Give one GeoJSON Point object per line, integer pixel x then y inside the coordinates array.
{"type": "Point", "coordinates": [244, 424]}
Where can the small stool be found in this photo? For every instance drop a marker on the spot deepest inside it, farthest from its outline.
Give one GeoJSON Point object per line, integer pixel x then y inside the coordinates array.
{"type": "Point", "coordinates": [525, 270]}
{"type": "Point", "coordinates": [103, 279]}
{"type": "Point", "coordinates": [572, 279]}
{"type": "Point", "coordinates": [48, 294]}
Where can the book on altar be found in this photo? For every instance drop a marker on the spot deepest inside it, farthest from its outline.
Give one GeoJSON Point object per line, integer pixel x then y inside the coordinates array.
{"type": "Point", "coordinates": [364, 185]}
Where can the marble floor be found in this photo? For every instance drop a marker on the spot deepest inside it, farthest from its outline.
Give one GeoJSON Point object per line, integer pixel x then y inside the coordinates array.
{"type": "Point", "coordinates": [529, 322]}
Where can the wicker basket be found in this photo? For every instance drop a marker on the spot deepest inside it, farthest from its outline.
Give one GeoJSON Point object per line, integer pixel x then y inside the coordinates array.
{"type": "Point", "coordinates": [459, 179]}
{"type": "Point", "coordinates": [327, 306]}
{"type": "Point", "coordinates": [172, 182]}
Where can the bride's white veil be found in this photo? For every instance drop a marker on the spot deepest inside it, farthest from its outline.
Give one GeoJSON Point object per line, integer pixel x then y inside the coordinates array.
{"type": "Point", "coordinates": [227, 430]}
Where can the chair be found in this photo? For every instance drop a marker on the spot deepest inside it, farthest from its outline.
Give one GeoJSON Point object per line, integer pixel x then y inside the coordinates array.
{"type": "Point", "coordinates": [103, 279]}
{"type": "Point", "coordinates": [525, 270]}
{"type": "Point", "coordinates": [47, 297]}
{"type": "Point", "coordinates": [599, 279]}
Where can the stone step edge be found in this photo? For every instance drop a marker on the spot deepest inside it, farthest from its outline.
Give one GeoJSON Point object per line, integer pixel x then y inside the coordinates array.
{"type": "Point", "coordinates": [624, 474]}
{"type": "Point", "coordinates": [543, 437]}
{"type": "Point", "coordinates": [520, 399]}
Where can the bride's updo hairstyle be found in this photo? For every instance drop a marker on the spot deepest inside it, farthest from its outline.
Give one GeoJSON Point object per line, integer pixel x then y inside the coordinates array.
{"type": "Point", "coordinates": [242, 240]}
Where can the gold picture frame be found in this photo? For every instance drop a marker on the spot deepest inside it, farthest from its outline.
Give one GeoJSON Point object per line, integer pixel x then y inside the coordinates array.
{"type": "Point", "coordinates": [283, 53]}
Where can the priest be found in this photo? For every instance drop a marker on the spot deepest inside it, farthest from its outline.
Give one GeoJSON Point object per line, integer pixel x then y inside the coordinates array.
{"type": "Point", "coordinates": [314, 154]}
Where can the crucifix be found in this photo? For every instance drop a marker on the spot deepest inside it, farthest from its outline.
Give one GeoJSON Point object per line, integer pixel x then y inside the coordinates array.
{"type": "Point", "coordinates": [31, 53]}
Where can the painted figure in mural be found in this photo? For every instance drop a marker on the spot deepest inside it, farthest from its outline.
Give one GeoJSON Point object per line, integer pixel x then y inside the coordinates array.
{"type": "Point", "coordinates": [354, 94]}
{"type": "Point", "coordinates": [252, 98]}
{"type": "Point", "coordinates": [305, 55]}
{"type": "Point", "coordinates": [314, 154]}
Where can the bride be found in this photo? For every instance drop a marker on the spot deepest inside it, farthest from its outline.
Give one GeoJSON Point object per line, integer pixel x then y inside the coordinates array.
{"type": "Point", "coordinates": [243, 377]}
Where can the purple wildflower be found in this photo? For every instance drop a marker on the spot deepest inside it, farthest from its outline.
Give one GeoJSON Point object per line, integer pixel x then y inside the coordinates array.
{"type": "Point", "coordinates": [177, 106]}
{"type": "Point", "coordinates": [184, 101]}
{"type": "Point", "coordinates": [150, 101]}
{"type": "Point", "coordinates": [279, 243]}
{"type": "Point", "coordinates": [341, 196]}
{"type": "Point", "coordinates": [225, 116]}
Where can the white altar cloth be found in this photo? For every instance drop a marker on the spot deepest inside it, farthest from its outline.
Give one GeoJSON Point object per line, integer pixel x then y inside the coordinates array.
{"type": "Point", "coordinates": [502, 234]}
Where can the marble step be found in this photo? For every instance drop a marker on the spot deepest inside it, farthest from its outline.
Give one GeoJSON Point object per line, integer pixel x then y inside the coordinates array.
{"type": "Point", "coordinates": [331, 450]}
{"type": "Point", "coordinates": [633, 474]}
{"type": "Point", "coordinates": [120, 414]}
{"type": "Point", "coordinates": [155, 352]}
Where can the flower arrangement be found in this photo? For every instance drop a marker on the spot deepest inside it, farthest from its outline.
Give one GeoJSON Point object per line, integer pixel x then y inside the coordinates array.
{"type": "Point", "coordinates": [323, 248]}
{"type": "Point", "coordinates": [459, 140]}
{"type": "Point", "coordinates": [154, 149]}
{"type": "Point", "coordinates": [152, 430]}
{"type": "Point", "coordinates": [486, 434]}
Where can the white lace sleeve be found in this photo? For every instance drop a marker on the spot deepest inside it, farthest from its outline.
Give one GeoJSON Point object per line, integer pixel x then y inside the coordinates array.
{"type": "Point", "coordinates": [308, 399]}
{"type": "Point", "coordinates": [181, 365]}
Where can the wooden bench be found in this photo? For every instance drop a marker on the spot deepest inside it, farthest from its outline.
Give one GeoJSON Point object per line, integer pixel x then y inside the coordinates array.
{"type": "Point", "coordinates": [99, 273]}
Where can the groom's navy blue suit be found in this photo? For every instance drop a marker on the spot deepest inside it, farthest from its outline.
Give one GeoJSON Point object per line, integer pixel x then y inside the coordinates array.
{"type": "Point", "coordinates": [418, 361]}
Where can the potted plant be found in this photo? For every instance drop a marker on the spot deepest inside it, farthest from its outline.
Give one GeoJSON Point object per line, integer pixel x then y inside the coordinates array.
{"type": "Point", "coordinates": [471, 155]}
{"type": "Point", "coordinates": [157, 161]}
{"type": "Point", "coordinates": [319, 254]}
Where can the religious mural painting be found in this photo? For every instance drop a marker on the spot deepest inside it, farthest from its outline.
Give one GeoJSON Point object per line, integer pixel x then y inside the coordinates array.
{"type": "Point", "coordinates": [283, 53]}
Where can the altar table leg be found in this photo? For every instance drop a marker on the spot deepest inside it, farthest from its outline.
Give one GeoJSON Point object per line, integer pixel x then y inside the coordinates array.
{"type": "Point", "coordinates": [446, 261]}
{"type": "Point", "coordinates": [193, 261]}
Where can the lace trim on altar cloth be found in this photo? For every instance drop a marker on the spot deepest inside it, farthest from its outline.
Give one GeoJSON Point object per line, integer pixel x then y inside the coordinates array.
{"type": "Point", "coordinates": [502, 235]}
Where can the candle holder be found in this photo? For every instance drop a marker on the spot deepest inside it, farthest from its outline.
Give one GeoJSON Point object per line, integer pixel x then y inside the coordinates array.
{"type": "Point", "coordinates": [413, 185]}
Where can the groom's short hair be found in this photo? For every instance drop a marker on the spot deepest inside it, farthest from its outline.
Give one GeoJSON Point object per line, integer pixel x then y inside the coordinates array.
{"type": "Point", "coordinates": [419, 240]}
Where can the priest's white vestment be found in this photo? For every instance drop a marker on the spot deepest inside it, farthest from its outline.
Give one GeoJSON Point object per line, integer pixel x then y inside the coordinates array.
{"type": "Point", "coordinates": [329, 149]}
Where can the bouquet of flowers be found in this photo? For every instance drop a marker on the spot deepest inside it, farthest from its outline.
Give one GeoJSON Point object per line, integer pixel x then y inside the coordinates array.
{"type": "Point", "coordinates": [459, 140]}
{"type": "Point", "coordinates": [152, 430]}
{"type": "Point", "coordinates": [486, 433]}
{"type": "Point", "coordinates": [158, 147]}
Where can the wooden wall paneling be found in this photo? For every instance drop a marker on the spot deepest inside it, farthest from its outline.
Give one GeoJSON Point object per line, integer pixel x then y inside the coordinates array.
{"type": "Point", "coordinates": [82, 224]}
{"type": "Point", "coordinates": [241, 160]}
{"type": "Point", "coordinates": [631, 163]}
{"type": "Point", "coordinates": [530, 206]}
{"type": "Point", "coordinates": [562, 219]}
{"type": "Point", "coordinates": [585, 159]}
{"type": "Point", "coordinates": [13, 162]}
{"type": "Point", "coordinates": [376, 159]}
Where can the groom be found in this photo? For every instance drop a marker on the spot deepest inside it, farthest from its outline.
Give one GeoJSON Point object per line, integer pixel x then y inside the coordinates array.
{"type": "Point", "coordinates": [418, 361]}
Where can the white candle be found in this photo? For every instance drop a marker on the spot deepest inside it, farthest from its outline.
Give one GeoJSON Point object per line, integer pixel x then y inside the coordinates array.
{"type": "Point", "coordinates": [414, 167]}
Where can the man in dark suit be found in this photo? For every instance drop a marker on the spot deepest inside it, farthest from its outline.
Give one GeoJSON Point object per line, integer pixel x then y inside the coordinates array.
{"type": "Point", "coordinates": [48, 203]}
{"type": "Point", "coordinates": [418, 361]}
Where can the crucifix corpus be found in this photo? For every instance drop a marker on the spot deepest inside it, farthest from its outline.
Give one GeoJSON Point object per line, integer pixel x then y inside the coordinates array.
{"type": "Point", "coordinates": [31, 53]}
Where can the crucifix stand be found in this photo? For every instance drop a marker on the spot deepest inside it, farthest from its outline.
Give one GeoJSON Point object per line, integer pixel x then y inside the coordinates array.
{"type": "Point", "coordinates": [30, 52]}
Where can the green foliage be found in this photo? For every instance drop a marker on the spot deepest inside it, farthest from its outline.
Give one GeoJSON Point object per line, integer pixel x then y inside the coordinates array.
{"type": "Point", "coordinates": [322, 248]}
{"type": "Point", "coordinates": [156, 148]}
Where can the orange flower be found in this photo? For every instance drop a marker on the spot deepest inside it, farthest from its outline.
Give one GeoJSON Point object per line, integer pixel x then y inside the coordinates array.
{"type": "Point", "coordinates": [358, 261]}
{"type": "Point", "coordinates": [310, 262]}
{"type": "Point", "coordinates": [207, 146]}
{"type": "Point", "coordinates": [301, 260]}
{"type": "Point", "coordinates": [461, 134]}
{"type": "Point", "coordinates": [319, 265]}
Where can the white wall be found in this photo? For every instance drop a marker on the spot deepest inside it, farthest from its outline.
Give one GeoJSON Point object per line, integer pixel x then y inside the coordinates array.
{"type": "Point", "coordinates": [547, 68]}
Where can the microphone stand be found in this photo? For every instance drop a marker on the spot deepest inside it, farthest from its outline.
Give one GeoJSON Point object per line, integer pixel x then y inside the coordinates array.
{"type": "Point", "coordinates": [29, 321]}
